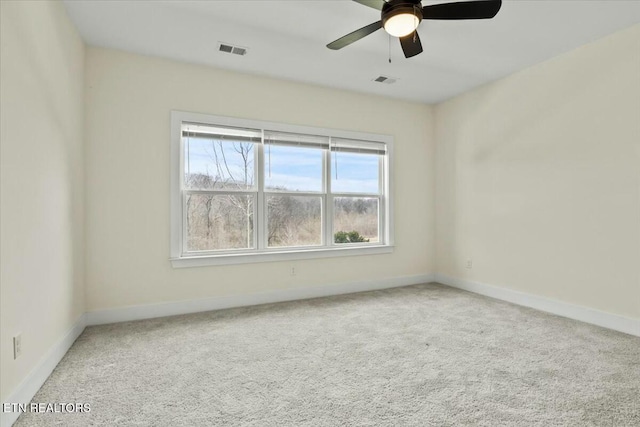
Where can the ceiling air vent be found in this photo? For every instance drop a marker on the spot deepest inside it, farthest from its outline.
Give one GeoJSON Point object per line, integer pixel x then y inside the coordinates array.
{"type": "Point", "coordinates": [385, 80]}
{"type": "Point", "coordinates": [239, 51]}
{"type": "Point", "coordinates": [228, 48]}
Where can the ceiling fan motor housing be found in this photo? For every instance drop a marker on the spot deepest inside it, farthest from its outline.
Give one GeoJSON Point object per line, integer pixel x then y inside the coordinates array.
{"type": "Point", "coordinates": [399, 7]}
{"type": "Point", "coordinates": [401, 18]}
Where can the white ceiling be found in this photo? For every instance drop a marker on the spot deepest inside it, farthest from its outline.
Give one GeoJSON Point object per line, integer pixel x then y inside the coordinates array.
{"type": "Point", "coordinates": [287, 39]}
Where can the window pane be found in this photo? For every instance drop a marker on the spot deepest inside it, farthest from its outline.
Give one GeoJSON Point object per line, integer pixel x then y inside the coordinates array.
{"type": "Point", "coordinates": [218, 164]}
{"type": "Point", "coordinates": [294, 220]}
{"type": "Point", "coordinates": [355, 219]}
{"type": "Point", "coordinates": [219, 222]}
{"type": "Point", "coordinates": [354, 173]}
{"type": "Point", "coordinates": [292, 168]}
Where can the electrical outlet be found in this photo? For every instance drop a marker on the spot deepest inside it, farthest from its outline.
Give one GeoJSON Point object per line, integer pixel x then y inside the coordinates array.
{"type": "Point", "coordinates": [17, 346]}
{"type": "Point", "coordinates": [469, 263]}
{"type": "Point", "coordinates": [293, 271]}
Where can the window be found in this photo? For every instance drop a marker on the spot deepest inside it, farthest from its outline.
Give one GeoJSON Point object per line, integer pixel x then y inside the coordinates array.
{"type": "Point", "coordinates": [219, 188]}
{"type": "Point", "coordinates": [248, 191]}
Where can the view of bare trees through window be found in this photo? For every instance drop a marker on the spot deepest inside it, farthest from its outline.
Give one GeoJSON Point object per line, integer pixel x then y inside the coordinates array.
{"type": "Point", "coordinates": [219, 221]}
{"type": "Point", "coordinates": [359, 214]}
{"type": "Point", "coordinates": [216, 222]}
{"type": "Point", "coordinates": [355, 218]}
{"type": "Point", "coordinates": [219, 164]}
{"type": "Point", "coordinates": [294, 220]}
{"type": "Point", "coordinates": [222, 195]}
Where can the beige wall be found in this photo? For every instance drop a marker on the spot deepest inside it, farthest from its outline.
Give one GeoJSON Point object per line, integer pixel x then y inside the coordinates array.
{"type": "Point", "coordinates": [128, 103]}
{"type": "Point", "coordinates": [538, 179]}
{"type": "Point", "coordinates": [41, 193]}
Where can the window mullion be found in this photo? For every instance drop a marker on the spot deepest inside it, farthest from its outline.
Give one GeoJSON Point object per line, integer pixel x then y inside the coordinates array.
{"type": "Point", "coordinates": [183, 250]}
{"type": "Point", "coordinates": [221, 192]}
{"type": "Point", "coordinates": [261, 220]}
{"type": "Point", "coordinates": [382, 208]}
{"type": "Point", "coordinates": [365, 195]}
{"type": "Point", "coordinates": [183, 195]}
{"type": "Point", "coordinates": [328, 205]}
{"type": "Point", "coordinates": [381, 221]}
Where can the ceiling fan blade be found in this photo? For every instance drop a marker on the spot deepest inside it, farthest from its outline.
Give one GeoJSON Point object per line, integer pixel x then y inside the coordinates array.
{"type": "Point", "coordinates": [376, 4]}
{"type": "Point", "coordinates": [478, 9]}
{"type": "Point", "coordinates": [355, 36]}
{"type": "Point", "coordinates": [411, 46]}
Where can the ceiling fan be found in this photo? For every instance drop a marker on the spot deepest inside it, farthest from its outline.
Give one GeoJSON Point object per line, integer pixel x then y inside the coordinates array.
{"type": "Point", "coordinates": [400, 18]}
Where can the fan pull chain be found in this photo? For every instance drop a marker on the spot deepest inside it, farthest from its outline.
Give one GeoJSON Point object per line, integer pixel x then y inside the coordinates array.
{"type": "Point", "coordinates": [389, 49]}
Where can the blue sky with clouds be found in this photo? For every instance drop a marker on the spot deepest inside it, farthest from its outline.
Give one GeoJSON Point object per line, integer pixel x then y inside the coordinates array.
{"type": "Point", "coordinates": [292, 168]}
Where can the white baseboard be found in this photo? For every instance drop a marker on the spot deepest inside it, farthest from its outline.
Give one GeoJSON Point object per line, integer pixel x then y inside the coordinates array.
{"type": "Point", "coordinates": [124, 314]}
{"type": "Point", "coordinates": [31, 384]}
{"type": "Point", "coordinates": [39, 374]}
{"type": "Point", "coordinates": [571, 311]}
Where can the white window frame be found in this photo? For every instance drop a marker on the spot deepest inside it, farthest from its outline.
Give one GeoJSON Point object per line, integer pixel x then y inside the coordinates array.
{"type": "Point", "coordinates": [179, 258]}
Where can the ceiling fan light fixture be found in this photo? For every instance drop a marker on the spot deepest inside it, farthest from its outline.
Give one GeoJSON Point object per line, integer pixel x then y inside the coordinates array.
{"type": "Point", "coordinates": [402, 24]}
{"type": "Point", "coordinates": [401, 18]}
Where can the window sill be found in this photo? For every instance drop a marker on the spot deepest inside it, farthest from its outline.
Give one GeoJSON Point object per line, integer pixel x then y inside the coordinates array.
{"type": "Point", "coordinates": [229, 259]}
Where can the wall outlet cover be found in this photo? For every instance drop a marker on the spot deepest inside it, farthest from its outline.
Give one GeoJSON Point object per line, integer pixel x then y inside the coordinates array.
{"type": "Point", "coordinates": [17, 346]}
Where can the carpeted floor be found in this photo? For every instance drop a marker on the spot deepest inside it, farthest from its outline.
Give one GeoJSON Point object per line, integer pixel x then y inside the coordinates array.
{"type": "Point", "coordinates": [425, 355]}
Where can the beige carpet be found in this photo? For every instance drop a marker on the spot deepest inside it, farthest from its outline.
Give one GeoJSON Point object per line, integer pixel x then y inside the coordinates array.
{"type": "Point", "coordinates": [424, 355]}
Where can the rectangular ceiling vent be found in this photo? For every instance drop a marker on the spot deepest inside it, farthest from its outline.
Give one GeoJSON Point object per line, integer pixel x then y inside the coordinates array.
{"type": "Point", "coordinates": [235, 50]}
{"type": "Point", "coordinates": [385, 79]}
